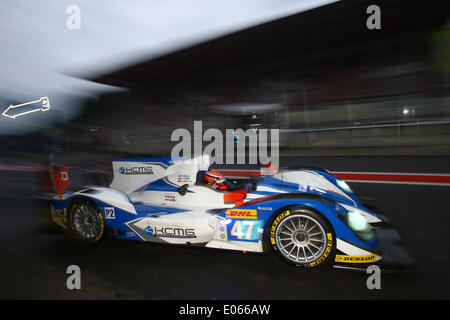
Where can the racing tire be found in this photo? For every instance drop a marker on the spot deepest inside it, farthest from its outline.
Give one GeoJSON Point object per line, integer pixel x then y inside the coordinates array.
{"type": "Point", "coordinates": [85, 222]}
{"type": "Point", "coordinates": [303, 237]}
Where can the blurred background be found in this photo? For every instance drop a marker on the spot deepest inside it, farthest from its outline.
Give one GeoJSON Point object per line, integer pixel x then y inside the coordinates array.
{"type": "Point", "coordinates": [132, 73]}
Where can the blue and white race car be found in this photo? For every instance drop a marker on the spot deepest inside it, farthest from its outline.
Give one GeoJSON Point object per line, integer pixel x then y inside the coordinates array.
{"type": "Point", "coordinates": [308, 216]}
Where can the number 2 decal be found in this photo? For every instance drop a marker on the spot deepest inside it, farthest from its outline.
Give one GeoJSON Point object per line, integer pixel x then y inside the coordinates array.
{"type": "Point", "coordinates": [109, 213]}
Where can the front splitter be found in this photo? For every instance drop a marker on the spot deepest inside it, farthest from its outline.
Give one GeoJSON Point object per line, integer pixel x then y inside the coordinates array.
{"type": "Point", "coordinates": [395, 257]}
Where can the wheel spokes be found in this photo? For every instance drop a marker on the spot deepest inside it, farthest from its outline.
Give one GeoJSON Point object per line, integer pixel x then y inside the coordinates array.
{"type": "Point", "coordinates": [301, 243]}
{"type": "Point", "coordinates": [86, 221]}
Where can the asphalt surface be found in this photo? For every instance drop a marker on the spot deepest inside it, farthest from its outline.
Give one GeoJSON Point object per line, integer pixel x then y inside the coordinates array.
{"type": "Point", "coordinates": [35, 257]}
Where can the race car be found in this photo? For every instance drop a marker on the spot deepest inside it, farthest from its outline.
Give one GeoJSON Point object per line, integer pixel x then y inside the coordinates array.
{"type": "Point", "coordinates": [308, 216]}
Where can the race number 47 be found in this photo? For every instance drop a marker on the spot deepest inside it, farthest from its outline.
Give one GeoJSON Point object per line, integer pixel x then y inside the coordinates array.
{"type": "Point", "coordinates": [242, 229]}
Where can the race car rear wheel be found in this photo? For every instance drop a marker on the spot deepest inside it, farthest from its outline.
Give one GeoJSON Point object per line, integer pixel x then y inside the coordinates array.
{"type": "Point", "coordinates": [302, 237]}
{"type": "Point", "coordinates": [86, 221]}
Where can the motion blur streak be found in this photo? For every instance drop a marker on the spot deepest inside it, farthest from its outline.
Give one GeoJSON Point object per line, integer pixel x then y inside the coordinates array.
{"type": "Point", "coordinates": [332, 86]}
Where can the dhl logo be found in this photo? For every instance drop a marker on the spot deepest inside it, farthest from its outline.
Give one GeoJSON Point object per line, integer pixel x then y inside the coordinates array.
{"type": "Point", "coordinates": [242, 214]}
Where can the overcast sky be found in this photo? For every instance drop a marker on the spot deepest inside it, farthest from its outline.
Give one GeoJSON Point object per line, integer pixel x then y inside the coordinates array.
{"type": "Point", "coordinates": [37, 48]}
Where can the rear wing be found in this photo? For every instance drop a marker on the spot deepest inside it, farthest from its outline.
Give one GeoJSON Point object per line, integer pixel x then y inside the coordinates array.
{"type": "Point", "coordinates": [132, 174]}
{"type": "Point", "coordinates": [76, 175]}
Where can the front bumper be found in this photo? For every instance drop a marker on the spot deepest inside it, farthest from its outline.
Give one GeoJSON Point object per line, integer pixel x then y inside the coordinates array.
{"type": "Point", "coordinates": [390, 247]}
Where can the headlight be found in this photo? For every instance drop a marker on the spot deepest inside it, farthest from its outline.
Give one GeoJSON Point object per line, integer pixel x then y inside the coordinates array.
{"type": "Point", "coordinates": [344, 186]}
{"type": "Point", "coordinates": [358, 224]}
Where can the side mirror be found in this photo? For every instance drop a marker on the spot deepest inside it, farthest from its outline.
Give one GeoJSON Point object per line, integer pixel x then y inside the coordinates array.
{"type": "Point", "coordinates": [183, 189]}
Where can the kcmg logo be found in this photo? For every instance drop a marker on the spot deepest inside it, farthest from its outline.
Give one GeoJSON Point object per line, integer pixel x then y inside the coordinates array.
{"type": "Point", "coordinates": [136, 170]}
{"type": "Point", "coordinates": [149, 230]}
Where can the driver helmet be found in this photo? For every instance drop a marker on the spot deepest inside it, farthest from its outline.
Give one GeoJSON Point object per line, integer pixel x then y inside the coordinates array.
{"type": "Point", "coordinates": [214, 180]}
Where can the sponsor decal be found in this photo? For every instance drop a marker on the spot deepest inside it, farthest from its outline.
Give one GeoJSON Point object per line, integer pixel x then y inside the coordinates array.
{"type": "Point", "coordinates": [170, 232]}
{"type": "Point", "coordinates": [59, 216]}
{"type": "Point", "coordinates": [356, 259]}
{"type": "Point", "coordinates": [102, 226]}
{"type": "Point", "coordinates": [308, 188]}
{"type": "Point", "coordinates": [60, 212]}
{"type": "Point", "coordinates": [169, 197]}
{"type": "Point", "coordinates": [275, 223]}
{"type": "Point", "coordinates": [327, 251]}
{"type": "Point", "coordinates": [241, 214]}
{"type": "Point", "coordinates": [135, 170]}
{"type": "Point", "coordinates": [265, 208]}
{"type": "Point", "coordinates": [184, 178]}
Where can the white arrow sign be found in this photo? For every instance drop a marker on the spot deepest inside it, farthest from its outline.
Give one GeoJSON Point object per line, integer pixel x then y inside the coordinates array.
{"type": "Point", "coordinates": [13, 111]}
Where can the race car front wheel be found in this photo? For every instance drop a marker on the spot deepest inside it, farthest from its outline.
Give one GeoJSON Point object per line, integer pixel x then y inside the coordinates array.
{"type": "Point", "coordinates": [302, 237]}
{"type": "Point", "coordinates": [86, 221]}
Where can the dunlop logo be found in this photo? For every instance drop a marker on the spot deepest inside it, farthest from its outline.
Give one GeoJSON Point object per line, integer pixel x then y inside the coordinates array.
{"type": "Point", "coordinates": [326, 252]}
{"type": "Point", "coordinates": [242, 214]}
{"type": "Point", "coordinates": [356, 259]}
{"type": "Point", "coordinates": [275, 223]}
